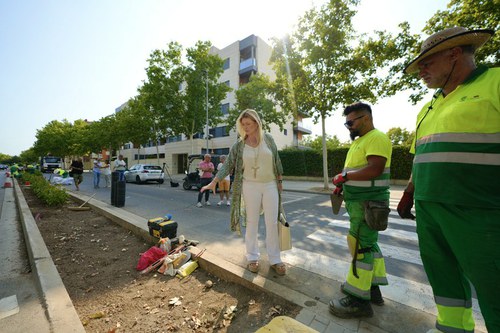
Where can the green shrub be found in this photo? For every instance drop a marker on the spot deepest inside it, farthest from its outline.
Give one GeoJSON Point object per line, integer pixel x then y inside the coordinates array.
{"type": "Point", "coordinates": [309, 163]}
{"type": "Point", "coordinates": [52, 195]}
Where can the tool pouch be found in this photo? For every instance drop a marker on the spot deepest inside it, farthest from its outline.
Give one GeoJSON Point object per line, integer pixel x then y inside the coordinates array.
{"type": "Point", "coordinates": [377, 214]}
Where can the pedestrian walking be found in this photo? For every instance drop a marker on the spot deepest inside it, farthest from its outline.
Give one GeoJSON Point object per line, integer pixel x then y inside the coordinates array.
{"type": "Point", "coordinates": [77, 172]}
{"type": "Point", "coordinates": [258, 179]}
{"type": "Point", "coordinates": [364, 183]}
{"type": "Point", "coordinates": [456, 178]}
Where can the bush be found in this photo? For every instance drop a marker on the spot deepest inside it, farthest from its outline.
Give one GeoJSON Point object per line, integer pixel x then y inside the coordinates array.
{"type": "Point", "coordinates": [309, 163]}
{"type": "Point", "coordinates": [52, 195]}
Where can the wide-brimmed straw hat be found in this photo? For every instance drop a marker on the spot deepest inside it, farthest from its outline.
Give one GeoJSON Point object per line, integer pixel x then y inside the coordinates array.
{"type": "Point", "coordinates": [447, 39]}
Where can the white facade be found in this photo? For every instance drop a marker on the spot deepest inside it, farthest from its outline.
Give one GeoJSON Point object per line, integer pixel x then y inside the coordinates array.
{"type": "Point", "coordinates": [242, 58]}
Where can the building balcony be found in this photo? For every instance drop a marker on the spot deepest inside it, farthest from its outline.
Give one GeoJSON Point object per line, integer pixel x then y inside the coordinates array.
{"type": "Point", "coordinates": [299, 128]}
{"type": "Point", "coordinates": [248, 65]}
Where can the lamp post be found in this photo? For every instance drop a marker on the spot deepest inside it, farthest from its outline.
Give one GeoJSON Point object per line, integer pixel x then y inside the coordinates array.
{"type": "Point", "coordinates": [206, 126]}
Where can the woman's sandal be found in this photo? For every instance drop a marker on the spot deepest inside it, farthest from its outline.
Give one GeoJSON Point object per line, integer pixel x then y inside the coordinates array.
{"type": "Point", "coordinates": [253, 266]}
{"type": "Point", "coordinates": [280, 268]}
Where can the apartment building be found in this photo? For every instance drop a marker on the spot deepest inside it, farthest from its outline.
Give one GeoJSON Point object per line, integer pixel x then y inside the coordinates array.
{"type": "Point", "coordinates": [241, 59]}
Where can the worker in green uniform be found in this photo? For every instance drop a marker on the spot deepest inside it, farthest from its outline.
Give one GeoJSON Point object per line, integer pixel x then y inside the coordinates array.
{"type": "Point", "coordinates": [364, 182]}
{"type": "Point", "coordinates": [456, 179]}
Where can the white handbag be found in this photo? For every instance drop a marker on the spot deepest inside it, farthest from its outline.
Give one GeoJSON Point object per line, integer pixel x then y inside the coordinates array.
{"type": "Point", "coordinates": [284, 232]}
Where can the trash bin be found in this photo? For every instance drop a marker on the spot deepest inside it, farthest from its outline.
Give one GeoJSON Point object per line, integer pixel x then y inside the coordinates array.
{"type": "Point", "coordinates": [117, 190]}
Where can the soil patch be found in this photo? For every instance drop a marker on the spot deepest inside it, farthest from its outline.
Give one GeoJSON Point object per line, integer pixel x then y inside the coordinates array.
{"type": "Point", "coordinates": [96, 260]}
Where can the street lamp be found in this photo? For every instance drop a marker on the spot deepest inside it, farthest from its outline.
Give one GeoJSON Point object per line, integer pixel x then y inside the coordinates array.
{"type": "Point", "coordinates": [206, 126]}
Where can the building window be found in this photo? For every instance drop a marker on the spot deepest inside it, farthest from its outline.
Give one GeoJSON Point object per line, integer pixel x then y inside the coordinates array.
{"type": "Point", "coordinates": [228, 83]}
{"type": "Point", "coordinates": [224, 108]}
{"type": "Point", "coordinates": [174, 138]}
{"type": "Point", "coordinates": [218, 132]}
{"type": "Point", "coordinates": [285, 131]}
{"type": "Point", "coordinates": [226, 64]}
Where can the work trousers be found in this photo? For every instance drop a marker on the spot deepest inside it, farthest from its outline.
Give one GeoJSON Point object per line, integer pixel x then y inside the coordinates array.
{"type": "Point", "coordinates": [259, 196]}
{"type": "Point", "coordinates": [204, 182]}
{"type": "Point", "coordinates": [459, 244]}
{"type": "Point", "coordinates": [370, 265]}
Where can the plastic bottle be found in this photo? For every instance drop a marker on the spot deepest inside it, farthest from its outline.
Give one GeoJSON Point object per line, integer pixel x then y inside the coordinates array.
{"type": "Point", "coordinates": [165, 244]}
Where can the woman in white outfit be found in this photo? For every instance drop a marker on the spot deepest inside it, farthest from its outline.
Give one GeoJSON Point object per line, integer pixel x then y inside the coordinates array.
{"type": "Point", "coordinates": [257, 180]}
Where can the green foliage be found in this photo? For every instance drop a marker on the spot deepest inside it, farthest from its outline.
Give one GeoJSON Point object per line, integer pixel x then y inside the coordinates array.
{"type": "Point", "coordinates": [400, 136]}
{"type": "Point", "coordinates": [472, 14]}
{"type": "Point", "coordinates": [308, 163]}
{"type": "Point", "coordinates": [325, 65]}
{"type": "Point", "coordinates": [50, 194]}
{"type": "Point", "coordinates": [174, 93]}
{"type": "Point", "coordinates": [258, 94]}
{"type": "Point", "coordinates": [401, 162]}
{"type": "Point", "coordinates": [332, 142]}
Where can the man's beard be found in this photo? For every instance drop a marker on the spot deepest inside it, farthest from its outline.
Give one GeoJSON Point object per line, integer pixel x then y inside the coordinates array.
{"type": "Point", "coordinates": [353, 134]}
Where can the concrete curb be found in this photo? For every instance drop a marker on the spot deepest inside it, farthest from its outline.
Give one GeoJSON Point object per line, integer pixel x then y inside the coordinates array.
{"type": "Point", "coordinates": [59, 308]}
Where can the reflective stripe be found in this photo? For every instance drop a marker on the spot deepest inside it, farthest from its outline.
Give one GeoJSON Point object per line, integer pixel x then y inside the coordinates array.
{"type": "Point", "coordinates": [380, 281]}
{"type": "Point", "coordinates": [363, 265]}
{"type": "Point", "coordinates": [460, 137]}
{"type": "Point", "coordinates": [368, 183]}
{"type": "Point", "coordinates": [386, 170]}
{"type": "Point", "coordinates": [363, 294]}
{"type": "Point", "coordinates": [453, 302]}
{"type": "Point", "coordinates": [463, 158]}
{"type": "Point", "coordinates": [447, 329]}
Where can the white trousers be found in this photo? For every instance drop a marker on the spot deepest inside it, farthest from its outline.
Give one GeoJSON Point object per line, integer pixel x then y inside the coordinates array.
{"type": "Point", "coordinates": [257, 196]}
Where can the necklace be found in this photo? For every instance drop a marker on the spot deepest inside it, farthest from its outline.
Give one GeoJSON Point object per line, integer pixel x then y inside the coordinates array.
{"type": "Point", "coordinates": [256, 152]}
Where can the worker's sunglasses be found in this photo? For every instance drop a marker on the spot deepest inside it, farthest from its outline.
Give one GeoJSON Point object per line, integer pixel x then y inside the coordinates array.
{"type": "Point", "coordinates": [349, 123]}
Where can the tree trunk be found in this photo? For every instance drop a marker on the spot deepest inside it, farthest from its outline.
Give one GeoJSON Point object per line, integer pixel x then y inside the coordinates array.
{"type": "Point", "coordinates": [325, 156]}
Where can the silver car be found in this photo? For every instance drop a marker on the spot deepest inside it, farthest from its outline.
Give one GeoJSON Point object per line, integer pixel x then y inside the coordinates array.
{"type": "Point", "coordinates": [141, 173]}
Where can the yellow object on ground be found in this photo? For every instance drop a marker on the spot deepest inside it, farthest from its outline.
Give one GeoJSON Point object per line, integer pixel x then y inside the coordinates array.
{"type": "Point", "coordinates": [284, 324]}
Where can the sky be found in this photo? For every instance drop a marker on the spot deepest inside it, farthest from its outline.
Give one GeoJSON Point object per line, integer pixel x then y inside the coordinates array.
{"type": "Point", "coordinates": [82, 59]}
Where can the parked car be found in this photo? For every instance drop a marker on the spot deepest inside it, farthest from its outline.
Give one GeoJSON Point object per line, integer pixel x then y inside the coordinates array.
{"type": "Point", "coordinates": [141, 173]}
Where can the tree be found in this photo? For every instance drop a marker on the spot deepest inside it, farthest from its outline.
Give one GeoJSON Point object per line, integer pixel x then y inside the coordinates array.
{"type": "Point", "coordinates": [176, 92]}
{"type": "Point", "coordinates": [134, 122]}
{"type": "Point", "coordinates": [325, 65]}
{"type": "Point", "coordinates": [332, 142]}
{"type": "Point", "coordinates": [53, 138]}
{"type": "Point", "coordinates": [472, 14]}
{"type": "Point", "coordinates": [400, 137]}
{"type": "Point", "coordinates": [258, 94]}
{"type": "Point", "coordinates": [29, 156]}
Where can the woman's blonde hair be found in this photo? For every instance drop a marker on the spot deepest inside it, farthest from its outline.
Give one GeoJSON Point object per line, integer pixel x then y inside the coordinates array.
{"type": "Point", "coordinates": [252, 114]}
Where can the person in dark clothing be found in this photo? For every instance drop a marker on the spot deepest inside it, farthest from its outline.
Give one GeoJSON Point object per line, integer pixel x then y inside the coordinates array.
{"type": "Point", "coordinates": [77, 172]}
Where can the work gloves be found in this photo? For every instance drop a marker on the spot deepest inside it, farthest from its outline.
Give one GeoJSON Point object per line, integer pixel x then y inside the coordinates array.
{"type": "Point", "coordinates": [338, 180]}
{"type": "Point", "coordinates": [405, 205]}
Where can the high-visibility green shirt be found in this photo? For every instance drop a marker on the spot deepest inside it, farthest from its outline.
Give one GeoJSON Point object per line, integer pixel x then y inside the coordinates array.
{"type": "Point", "coordinates": [373, 143]}
{"type": "Point", "coordinates": [457, 147]}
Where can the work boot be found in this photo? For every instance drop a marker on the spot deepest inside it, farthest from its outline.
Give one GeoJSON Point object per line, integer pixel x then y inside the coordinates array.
{"type": "Point", "coordinates": [350, 307]}
{"type": "Point", "coordinates": [375, 295]}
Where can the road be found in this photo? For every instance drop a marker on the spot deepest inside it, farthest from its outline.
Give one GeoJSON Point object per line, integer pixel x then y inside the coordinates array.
{"type": "Point", "coordinates": [319, 237]}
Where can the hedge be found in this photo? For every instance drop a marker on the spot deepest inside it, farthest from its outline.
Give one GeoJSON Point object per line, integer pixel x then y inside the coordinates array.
{"type": "Point", "coordinates": [309, 163]}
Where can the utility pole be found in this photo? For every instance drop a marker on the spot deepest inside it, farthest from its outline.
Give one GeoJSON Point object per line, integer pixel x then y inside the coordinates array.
{"type": "Point", "coordinates": [206, 91]}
